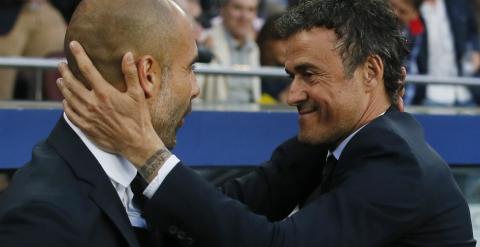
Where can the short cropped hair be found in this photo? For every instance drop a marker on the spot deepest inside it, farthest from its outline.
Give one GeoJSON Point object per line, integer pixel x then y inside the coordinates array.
{"type": "Point", "coordinates": [363, 28]}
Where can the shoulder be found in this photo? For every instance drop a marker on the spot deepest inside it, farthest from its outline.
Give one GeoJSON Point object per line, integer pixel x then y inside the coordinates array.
{"type": "Point", "coordinates": [393, 132]}
{"type": "Point", "coordinates": [46, 181]}
{"type": "Point", "coordinates": [391, 153]}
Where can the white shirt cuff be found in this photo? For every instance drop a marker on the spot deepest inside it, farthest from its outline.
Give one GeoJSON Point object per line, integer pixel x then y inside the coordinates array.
{"type": "Point", "coordinates": [161, 175]}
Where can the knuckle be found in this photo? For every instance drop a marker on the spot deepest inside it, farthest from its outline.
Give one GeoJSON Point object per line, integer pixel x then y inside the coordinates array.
{"type": "Point", "coordinates": [85, 68]}
{"type": "Point", "coordinates": [91, 107]}
{"type": "Point", "coordinates": [102, 97]}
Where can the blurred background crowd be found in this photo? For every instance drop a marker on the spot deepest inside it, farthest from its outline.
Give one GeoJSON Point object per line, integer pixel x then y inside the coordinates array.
{"type": "Point", "coordinates": [443, 38]}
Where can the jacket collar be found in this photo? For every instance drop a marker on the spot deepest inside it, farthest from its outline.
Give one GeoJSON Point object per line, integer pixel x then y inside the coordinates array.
{"type": "Point", "coordinates": [86, 168]}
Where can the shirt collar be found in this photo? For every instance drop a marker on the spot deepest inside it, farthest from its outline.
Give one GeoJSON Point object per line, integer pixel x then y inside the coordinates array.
{"type": "Point", "coordinates": [115, 166]}
{"type": "Point", "coordinates": [339, 149]}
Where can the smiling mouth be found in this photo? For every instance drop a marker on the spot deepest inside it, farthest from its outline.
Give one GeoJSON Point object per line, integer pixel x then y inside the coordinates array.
{"type": "Point", "coordinates": [306, 109]}
{"type": "Point", "coordinates": [306, 112]}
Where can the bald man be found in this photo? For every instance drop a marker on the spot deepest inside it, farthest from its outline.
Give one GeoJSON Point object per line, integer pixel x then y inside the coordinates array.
{"type": "Point", "coordinates": [74, 194]}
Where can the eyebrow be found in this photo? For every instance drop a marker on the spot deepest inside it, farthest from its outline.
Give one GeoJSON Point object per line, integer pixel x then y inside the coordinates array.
{"type": "Point", "coordinates": [301, 67]}
{"type": "Point", "coordinates": [304, 66]}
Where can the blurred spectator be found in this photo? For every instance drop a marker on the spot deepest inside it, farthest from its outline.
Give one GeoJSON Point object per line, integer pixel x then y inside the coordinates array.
{"type": "Point", "coordinates": [233, 45]}
{"type": "Point", "coordinates": [66, 7]}
{"type": "Point", "coordinates": [476, 11]}
{"type": "Point", "coordinates": [408, 13]}
{"type": "Point", "coordinates": [450, 29]}
{"type": "Point", "coordinates": [194, 10]}
{"type": "Point", "coordinates": [440, 32]}
{"type": "Point", "coordinates": [268, 8]}
{"type": "Point", "coordinates": [272, 53]}
{"type": "Point", "coordinates": [27, 28]}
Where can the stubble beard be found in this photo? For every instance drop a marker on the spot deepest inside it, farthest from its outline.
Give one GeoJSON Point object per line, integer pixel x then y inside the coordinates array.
{"type": "Point", "coordinates": [165, 118]}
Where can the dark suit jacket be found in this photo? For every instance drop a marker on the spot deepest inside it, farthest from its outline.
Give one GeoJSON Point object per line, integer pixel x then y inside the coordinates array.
{"type": "Point", "coordinates": [390, 188]}
{"type": "Point", "coordinates": [62, 197]}
{"type": "Point", "coordinates": [464, 31]}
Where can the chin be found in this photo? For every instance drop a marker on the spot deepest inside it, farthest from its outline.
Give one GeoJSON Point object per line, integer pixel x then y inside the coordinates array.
{"type": "Point", "coordinates": [307, 138]}
{"type": "Point", "coordinates": [312, 137]}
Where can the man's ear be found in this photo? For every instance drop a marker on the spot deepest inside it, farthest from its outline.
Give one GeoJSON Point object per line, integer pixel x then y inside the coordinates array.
{"type": "Point", "coordinates": [148, 71]}
{"type": "Point", "coordinates": [373, 72]}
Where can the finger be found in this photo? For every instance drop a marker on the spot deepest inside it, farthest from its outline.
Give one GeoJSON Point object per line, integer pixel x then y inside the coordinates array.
{"type": "Point", "coordinates": [403, 74]}
{"type": "Point", "coordinates": [400, 104]}
{"type": "Point", "coordinates": [73, 101]}
{"type": "Point", "coordinates": [73, 115]}
{"type": "Point", "coordinates": [87, 68]}
{"type": "Point", "coordinates": [402, 92]}
{"type": "Point", "coordinates": [130, 74]}
{"type": "Point", "coordinates": [70, 82]}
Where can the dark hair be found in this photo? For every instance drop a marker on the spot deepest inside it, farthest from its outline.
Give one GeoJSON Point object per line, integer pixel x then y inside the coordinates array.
{"type": "Point", "coordinates": [417, 4]}
{"type": "Point", "coordinates": [269, 31]}
{"type": "Point", "coordinates": [363, 28]}
{"type": "Point", "coordinates": [266, 37]}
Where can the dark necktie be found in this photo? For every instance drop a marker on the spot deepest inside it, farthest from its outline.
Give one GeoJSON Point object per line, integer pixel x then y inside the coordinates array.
{"type": "Point", "coordinates": [138, 185]}
{"type": "Point", "coordinates": [327, 174]}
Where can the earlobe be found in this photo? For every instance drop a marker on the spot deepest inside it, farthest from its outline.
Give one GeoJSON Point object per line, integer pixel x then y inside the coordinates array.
{"type": "Point", "coordinates": [146, 73]}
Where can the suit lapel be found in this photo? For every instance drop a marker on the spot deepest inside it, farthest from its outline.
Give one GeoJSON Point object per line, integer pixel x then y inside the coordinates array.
{"type": "Point", "coordinates": [86, 167]}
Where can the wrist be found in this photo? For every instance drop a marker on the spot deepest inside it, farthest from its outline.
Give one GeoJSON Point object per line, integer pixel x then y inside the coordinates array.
{"type": "Point", "coordinates": [139, 154]}
{"type": "Point", "coordinates": [149, 170]}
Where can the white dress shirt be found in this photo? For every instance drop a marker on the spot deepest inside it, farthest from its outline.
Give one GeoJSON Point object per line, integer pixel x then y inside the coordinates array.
{"type": "Point", "coordinates": [121, 173]}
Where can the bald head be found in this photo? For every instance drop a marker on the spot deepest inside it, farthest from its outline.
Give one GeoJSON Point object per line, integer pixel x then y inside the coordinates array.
{"type": "Point", "coordinates": [108, 29]}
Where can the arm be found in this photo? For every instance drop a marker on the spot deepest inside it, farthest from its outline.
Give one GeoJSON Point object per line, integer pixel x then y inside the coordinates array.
{"type": "Point", "coordinates": [276, 187]}
{"type": "Point", "coordinates": [354, 214]}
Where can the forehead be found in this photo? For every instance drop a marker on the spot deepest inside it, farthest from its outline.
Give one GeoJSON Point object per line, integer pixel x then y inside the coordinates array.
{"type": "Point", "coordinates": [243, 3]}
{"type": "Point", "coordinates": [317, 45]}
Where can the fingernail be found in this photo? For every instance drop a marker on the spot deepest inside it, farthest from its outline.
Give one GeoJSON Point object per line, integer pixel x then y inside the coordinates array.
{"type": "Point", "coordinates": [129, 57]}
{"type": "Point", "coordinates": [73, 45]}
{"type": "Point", "coordinates": [59, 81]}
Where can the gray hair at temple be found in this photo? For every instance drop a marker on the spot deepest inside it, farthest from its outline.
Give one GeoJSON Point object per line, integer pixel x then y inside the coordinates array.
{"type": "Point", "coordinates": [363, 28]}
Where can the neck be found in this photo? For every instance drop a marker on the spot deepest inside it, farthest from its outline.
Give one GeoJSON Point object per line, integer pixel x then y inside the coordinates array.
{"type": "Point", "coordinates": [376, 106]}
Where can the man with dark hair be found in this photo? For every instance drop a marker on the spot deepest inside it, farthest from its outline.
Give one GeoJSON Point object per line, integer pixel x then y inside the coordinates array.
{"type": "Point", "coordinates": [272, 53]}
{"type": "Point", "coordinates": [382, 184]}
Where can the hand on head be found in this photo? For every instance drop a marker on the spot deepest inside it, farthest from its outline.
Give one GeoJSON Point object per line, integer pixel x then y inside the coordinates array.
{"type": "Point", "coordinates": [118, 122]}
{"type": "Point", "coordinates": [401, 91]}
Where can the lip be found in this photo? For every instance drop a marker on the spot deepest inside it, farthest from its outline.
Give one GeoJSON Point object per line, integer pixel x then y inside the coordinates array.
{"type": "Point", "coordinates": [306, 112]}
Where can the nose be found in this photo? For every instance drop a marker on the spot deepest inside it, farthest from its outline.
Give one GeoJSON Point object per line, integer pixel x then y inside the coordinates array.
{"type": "Point", "coordinates": [296, 93]}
